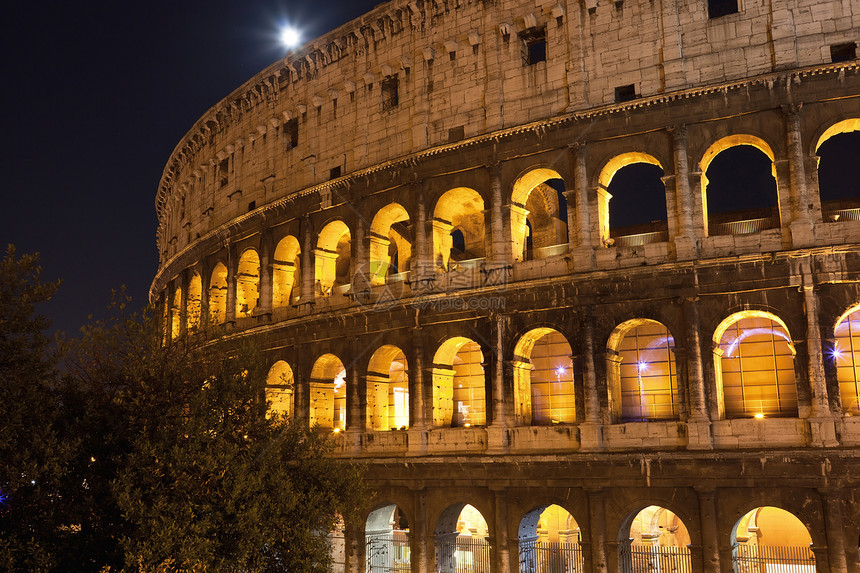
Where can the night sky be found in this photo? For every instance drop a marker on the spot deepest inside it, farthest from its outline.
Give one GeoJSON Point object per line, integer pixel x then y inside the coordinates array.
{"type": "Point", "coordinates": [96, 95]}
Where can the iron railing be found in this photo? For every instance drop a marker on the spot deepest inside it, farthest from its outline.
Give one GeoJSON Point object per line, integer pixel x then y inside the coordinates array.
{"type": "Point", "coordinates": [388, 553]}
{"type": "Point", "coordinates": [465, 554]}
{"type": "Point", "coordinates": [778, 559]}
{"type": "Point", "coordinates": [744, 227]}
{"type": "Point", "coordinates": [640, 239]}
{"type": "Point", "coordinates": [550, 557]}
{"type": "Point", "coordinates": [646, 558]}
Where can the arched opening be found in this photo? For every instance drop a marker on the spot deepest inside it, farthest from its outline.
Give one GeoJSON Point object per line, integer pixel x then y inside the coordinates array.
{"type": "Point", "coordinates": [460, 209]}
{"type": "Point", "coordinates": [279, 389]}
{"type": "Point", "coordinates": [739, 186]}
{"type": "Point", "coordinates": [247, 283]}
{"type": "Point", "coordinates": [754, 363]}
{"type": "Point", "coordinates": [846, 357]}
{"type": "Point", "coordinates": [654, 539]}
{"type": "Point", "coordinates": [328, 393]}
{"type": "Point", "coordinates": [538, 215]}
{"type": "Point", "coordinates": [544, 392]}
{"type": "Point", "coordinates": [461, 540]}
{"type": "Point", "coordinates": [387, 390]}
{"type": "Point", "coordinates": [838, 150]}
{"type": "Point", "coordinates": [218, 294]}
{"type": "Point", "coordinates": [643, 376]}
{"type": "Point", "coordinates": [632, 200]}
{"type": "Point", "coordinates": [193, 306]}
{"type": "Point", "coordinates": [386, 535]}
{"type": "Point", "coordinates": [333, 261]}
{"type": "Point", "coordinates": [459, 397]}
{"type": "Point", "coordinates": [286, 271]}
{"type": "Point", "coordinates": [176, 313]}
{"type": "Point", "coordinates": [771, 539]}
{"type": "Point", "coordinates": [550, 541]}
{"type": "Point", "coordinates": [390, 244]}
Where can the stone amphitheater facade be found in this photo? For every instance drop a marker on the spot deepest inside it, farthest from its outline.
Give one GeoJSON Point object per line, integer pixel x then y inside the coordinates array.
{"type": "Point", "coordinates": [412, 217]}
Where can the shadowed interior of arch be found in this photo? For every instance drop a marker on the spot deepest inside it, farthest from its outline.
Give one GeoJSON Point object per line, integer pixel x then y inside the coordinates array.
{"type": "Point", "coordinates": [459, 209]}
{"type": "Point", "coordinates": [638, 203]}
{"type": "Point", "coordinates": [247, 283]}
{"type": "Point", "coordinates": [328, 393]}
{"type": "Point", "coordinates": [387, 390]}
{"type": "Point", "coordinates": [194, 304]}
{"type": "Point", "coordinates": [840, 195]}
{"type": "Point", "coordinates": [286, 272]}
{"type": "Point", "coordinates": [459, 398]}
{"type": "Point", "coordinates": [333, 258]}
{"type": "Point", "coordinates": [390, 243]}
{"type": "Point", "coordinates": [218, 294]}
{"type": "Point", "coordinates": [538, 215]}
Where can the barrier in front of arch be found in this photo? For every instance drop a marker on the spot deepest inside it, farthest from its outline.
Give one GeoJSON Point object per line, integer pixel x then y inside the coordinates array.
{"type": "Point", "coordinates": [657, 540]}
{"type": "Point", "coordinates": [770, 538]}
{"type": "Point", "coordinates": [552, 549]}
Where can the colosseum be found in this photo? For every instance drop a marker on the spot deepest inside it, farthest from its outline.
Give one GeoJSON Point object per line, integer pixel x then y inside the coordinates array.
{"type": "Point", "coordinates": [486, 245]}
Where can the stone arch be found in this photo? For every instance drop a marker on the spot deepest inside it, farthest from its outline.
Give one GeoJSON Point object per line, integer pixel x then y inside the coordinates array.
{"type": "Point", "coordinates": [460, 539]}
{"type": "Point", "coordinates": [845, 355]}
{"type": "Point", "coordinates": [538, 215]}
{"type": "Point", "coordinates": [390, 243]}
{"type": "Point", "coordinates": [459, 389]}
{"type": "Point", "coordinates": [386, 533]}
{"type": "Point", "coordinates": [654, 538]}
{"type": "Point", "coordinates": [838, 153]}
{"type": "Point", "coordinates": [761, 211]}
{"type": "Point", "coordinates": [549, 540]}
{"type": "Point", "coordinates": [621, 219]}
{"type": "Point", "coordinates": [770, 536]}
{"type": "Point", "coordinates": [247, 283]}
{"type": "Point", "coordinates": [280, 389]}
{"type": "Point", "coordinates": [544, 391]}
{"type": "Point", "coordinates": [286, 271]}
{"type": "Point", "coordinates": [849, 125]}
{"type": "Point", "coordinates": [218, 294]}
{"type": "Point", "coordinates": [459, 209]}
{"type": "Point", "coordinates": [754, 366]}
{"type": "Point", "coordinates": [176, 313]}
{"type": "Point", "coordinates": [332, 257]}
{"type": "Point", "coordinates": [193, 308]}
{"type": "Point", "coordinates": [642, 372]}
{"type": "Point", "coordinates": [387, 389]}
{"type": "Point", "coordinates": [328, 393]}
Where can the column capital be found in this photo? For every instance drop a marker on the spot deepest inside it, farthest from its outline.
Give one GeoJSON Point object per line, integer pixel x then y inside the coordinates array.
{"type": "Point", "coordinates": [577, 146]}
{"type": "Point", "coordinates": [792, 110]}
{"type": "Point", "coordinates": [678, 131]}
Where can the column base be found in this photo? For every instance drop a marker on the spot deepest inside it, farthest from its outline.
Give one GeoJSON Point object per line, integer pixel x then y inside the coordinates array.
{"type": "Point", "coordinates": [823, 432]}
{"type": "Point", "coordinates": [416, 438]}
{"type": "Point", "coordinates": [591, 437]}
{"type": "Point", "coordinates": [352, 442]}
{"type": "Point", "coordinates": [802, 234]}
{"type": "Point", "coordinates": [686, 248]}
{"type": "Point", "coordinates": [497, 439]}
{"type": "Point", "coordinates": [699, 435]}
{"type": "Point", "coordinates": [582, 259]}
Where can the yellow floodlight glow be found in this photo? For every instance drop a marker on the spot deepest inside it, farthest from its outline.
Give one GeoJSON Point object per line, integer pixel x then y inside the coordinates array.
{"type": "Point", "coordinates": [759, 416]}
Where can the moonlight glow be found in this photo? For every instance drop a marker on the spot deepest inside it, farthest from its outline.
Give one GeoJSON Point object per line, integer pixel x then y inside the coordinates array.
{"type": "Point", "coordinates": [290, 37]}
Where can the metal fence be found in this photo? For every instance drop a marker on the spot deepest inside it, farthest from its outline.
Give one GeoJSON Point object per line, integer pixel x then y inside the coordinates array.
{"type": "Point", "coordinates": [550, 557]}
{"type": "Point", "coordinates": [763, 559]}
{"type": "Point", "coordinates": [465, 554]}
{"type": "Point", "coordinates": [646, 558]}
{"type": "Point", "coordinates": [388, 553]}
{"type": "Point", "coordinates": [744, 227]}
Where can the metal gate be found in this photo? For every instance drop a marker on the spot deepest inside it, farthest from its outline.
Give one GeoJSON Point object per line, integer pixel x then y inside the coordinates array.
{"type": "Point", "coordinates": [645, 558]}
{"type": "Point", "coordinates": [463, 554]}
{"type": "Point", "coordinates": [763, 559]}
{"type": "Point", "coordinates": [550, 557]}
{"type": "Point", "coordinates": [388, 553]}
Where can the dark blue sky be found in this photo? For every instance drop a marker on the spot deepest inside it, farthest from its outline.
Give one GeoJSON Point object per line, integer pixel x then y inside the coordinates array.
{"type": "Point", "coordinates": [95, 96]}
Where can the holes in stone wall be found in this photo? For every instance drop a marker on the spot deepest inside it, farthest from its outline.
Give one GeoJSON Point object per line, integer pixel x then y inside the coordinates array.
{"type": "Point", "coordinates": [534, 46]}
{"type": "Point", "coordinates": [390, 92]}
{"type": "Point", "coordinates": [843, 52]}
{"type": "Point", "coordinates": [625, 93]}
{"type": "Point", "coordinates": [718, 8]}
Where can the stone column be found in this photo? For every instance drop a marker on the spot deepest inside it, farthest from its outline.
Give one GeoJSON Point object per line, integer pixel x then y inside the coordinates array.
{"type": "Point", "coordinates": [421, 542]}
{"type": "Point", "coordinates": [583, 252]}
{"type": "Point", "coordinates": [360, 261]}
{"type": "Point", "coordinates": [205, 278]}
{"type": "Point", "coordinates": [301, 386]}
{"type": "Point", "coordinates": [685, 240]}
{"type": "Point", "coordinates": [265, 303]}
{"type": "Point", "coordinates": [710, 532]}
{"type": "Point", "coordinates": [497, 431]}
{"type": "Point", "coordinates": [597, 530]}
{"type": "Point", "coordinates": [802, 234]}
{"type": "Point", "coordinates": [501, 553]}
{"type": "Point", "coordinates": [416, 434]}
{"type": "Point", "coordinates": [590, 430]}
{"type": "Point", "coordinates": [183, 302]}
{"type": "Point", "coordinates": [422, 258]}
{"type": "Point", "coordinates": [699, 424]}
{"type": "Point", "coordinates": [498, 251]}
{"type": "Point", "coordinates": [307, 291]}
{"type": "Point", "coordinates": [354, 541]}
{"type": "Point", "coordinates": [834, 530]}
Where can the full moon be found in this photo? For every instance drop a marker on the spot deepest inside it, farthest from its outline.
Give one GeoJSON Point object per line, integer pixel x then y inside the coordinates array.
{"type": "Point", "coordinates": [290, 37]}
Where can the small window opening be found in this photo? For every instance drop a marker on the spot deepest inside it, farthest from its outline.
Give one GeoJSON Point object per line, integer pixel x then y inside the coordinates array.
{"type": "Point", "coordinates": [223, 168]}
{"type": "Point", "coordinates": [389, 93]}
{"type": "Point", "coordinates": [456, 133]}
{"type": "Point", "coordinates": [717, 8]}
{"type": "Point", "coordinates": [334, 108]}
{"type": "Point", "coordinates": [458, 245]}
{"type": "Point", "coordinates": [843, 52]}
{"type": "Point", "coordinates": [291, 132]}
{"type": "Point", "coordinates": [334, 172]}
{"type": "Point", "coordinates": [625, 93]}
{"type": "Point", "coordinates": [452, 56]}
{"type": "Point", "coordinates": [252, 205]}
{"type": "Point", "coordinates": [534, 46]}
{"type": "Point", "coordinates": [351, 97]}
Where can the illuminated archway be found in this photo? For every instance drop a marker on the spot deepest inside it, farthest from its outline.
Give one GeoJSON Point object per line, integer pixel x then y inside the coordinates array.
{"type": "Point", "coordinates": [247, 283]}
{"type": "Point", "coordinates": [460, 539]}
{"type": "Point", "coordinates": [632, 200]}
{"type": "Point", "coordinates": [218, 294]}
{"type": "Point", "coordinates": [459, 397]}
{"type": "Point", "coordinates": [387, 390]}
{"type": "Point", "coordinates": [643, 377]}
{"type": "Point", "coordinates": [770, 538]}
{"type": "Point", "coordinates": [286, 271]}
{"type": "Point", "coordinates": [754, 364]}
{"type": "Point", "coordinates": [194, 304]}
{"type": "Point", "coordinates": [279, 389]}
{"type": "Point", "coordinates": [390, 243]}
{"type": "Point", "coordinates": [386, 534]}
{"type": "Point", "coordinates": [176, 313]}
{"type": "Point", "coordinates": [544, 391]}
{"type": "Point", "coordinates": [328, 393]}
{"type": "Point", "coordinates": [838, 150]}
{"type": "Point", "coordinates": [846, 357]}
{"type": "Point", "coordinates": [655, 539]}
{"type": "Point", "coordinates": [538, 215]}
{"type": "Point", "coordinates": [739, 188]}
{"type": "Point", "coordinates": [460, 209]}
{"type": "Point", "coordinates": [549, 541]}
{"type": "Point", "coordinates": [333, 258]}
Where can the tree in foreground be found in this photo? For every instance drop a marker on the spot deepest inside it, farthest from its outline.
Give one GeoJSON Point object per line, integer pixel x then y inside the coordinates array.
{"type": "Point", "coordinates": [203, 478]}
